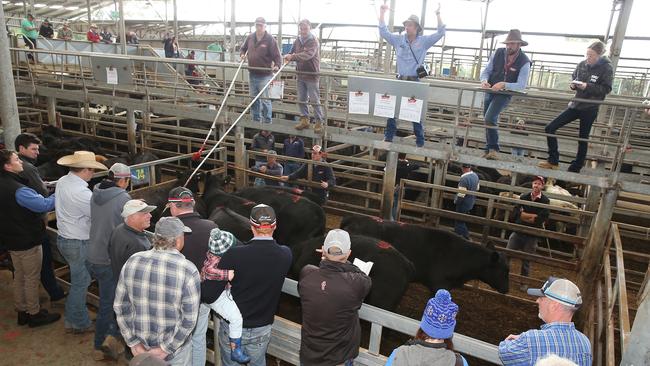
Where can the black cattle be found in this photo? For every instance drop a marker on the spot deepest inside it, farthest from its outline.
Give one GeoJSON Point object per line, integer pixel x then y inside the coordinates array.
{"type": "Point", "coordinates": [232, 222]}
{"type": "Point", "coordinates": [256, 193]}
{"type": "Point", "coordinates": [391, 272]}
{"type": "Point", "coordinates": [442, 259]}
{"type": "Point", "coordinates": [298, 218]}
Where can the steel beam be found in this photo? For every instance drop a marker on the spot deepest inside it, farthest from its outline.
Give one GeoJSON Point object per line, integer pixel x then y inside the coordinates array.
{"type": "Point", "coordinates": [619, 32]}
{"type": "Point", "coordinates": [8, 105]}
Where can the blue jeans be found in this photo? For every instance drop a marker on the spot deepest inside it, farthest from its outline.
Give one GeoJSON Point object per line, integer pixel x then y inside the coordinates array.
{"type": "Point", "coordinates": [518, 152]}
{"type": "Point", "coordinates": [256, 83]}
{"type": "Point", "coordinates": [48, 279]}
{"type": "Point", "coordinates": [198, 344]}
{"type": "Point", "coordinates": [393, 211]}
{"type": "Point", "coordinates": [254, 341]}
{"type": "Point", "coordinates": [74, 252]}
{"type": "Point", "coordinates": [182, 357]}
{"type": "Point", "coordinates": [308, 92]}
{"type": "Point", "coordinates": [524, 243]}
{"type": "Point", "coordinates": [493, 105]}
{"type": "Point", "coordinates": [106, 323]}
{"type": "Point", "coordinates": [460, 227]}
{"type": "Point", "coordinates": [587, 118]}
{"type": "Point", "coordinates": [391, 128]}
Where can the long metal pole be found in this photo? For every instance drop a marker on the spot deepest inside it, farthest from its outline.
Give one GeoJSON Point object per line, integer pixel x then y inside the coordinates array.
{"type": "Point", "coordinates": [8, 104]}
{"type": "Point", "coordinates": [389, 48]}
{"type": "Point", "coordinates": [619, 32]}
{"type": "Point", "coordinates": [477, 71]}
{"type": "Point", "coordinates": [88, 14]}
{"type": "Point", "coordinates": [280, 27]}
{"type": "Point", "coordinates": [233, 26]}
{"type": "Point", "coordinates": [175, 20]}
{"type": "Point", "coordinates": [423, 14]}
{"type": "Point", "coordinates": [122, 27]}
{"type": "Point", "coordinates": [638, 347]}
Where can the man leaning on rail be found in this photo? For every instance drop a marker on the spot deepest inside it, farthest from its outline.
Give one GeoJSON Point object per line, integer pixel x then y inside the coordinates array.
{"type": "Point", "coordinates": [411, 50]}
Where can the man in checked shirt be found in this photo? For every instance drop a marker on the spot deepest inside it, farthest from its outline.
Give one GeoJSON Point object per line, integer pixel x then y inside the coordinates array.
{"type": "Point", "coordinates": [158, 295]}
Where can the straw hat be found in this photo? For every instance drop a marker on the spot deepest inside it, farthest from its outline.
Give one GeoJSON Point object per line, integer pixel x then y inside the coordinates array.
{"type": "Point", "coordinates": [81, 159]}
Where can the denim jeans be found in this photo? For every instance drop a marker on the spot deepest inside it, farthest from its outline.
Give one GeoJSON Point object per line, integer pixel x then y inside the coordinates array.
{"type": "Point", "coordinates": [48, 279]}
{"type": "Point", "coordinates": [518, 152]}
{"type": "Point", "coordinates": [460, 227]}
{"type": "Point", "coordinates": [587, 118]}
{"type": "Point", "coordinates": [74, 253]}
{"type": "Point", "coordinates": [256, 84]}
{"type": "Point", "coordinates": [227, 308]}
{"type": "Point", "coordinates": [526, 244]}
{"type": "Point", "coordinates": [105, 324]}
{"type": "Point", "coordinates": [493, 105]}
{"type": "Point", "coordinates": [393, 211]}
{"type": "Point", "coordinates": [391, 129]}
{"type": "Point", "coordinates": [254, 341]}
{"type": "Point", "coordinates": [308, 92]}
{"type": "Point", "coordinates": [182, 357]}
{"type": "Point", "coordinates": [198, 345]}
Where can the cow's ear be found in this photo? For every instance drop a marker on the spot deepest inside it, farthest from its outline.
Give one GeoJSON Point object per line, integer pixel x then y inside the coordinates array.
{"type": "Point", "coordinates": [490, 245]}
{"type": "Point", "coordinates": [494, 257]}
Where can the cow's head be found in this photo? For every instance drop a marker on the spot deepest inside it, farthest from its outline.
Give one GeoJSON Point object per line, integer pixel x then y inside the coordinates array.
{"type": "Point", "coordinates": [497, 272]}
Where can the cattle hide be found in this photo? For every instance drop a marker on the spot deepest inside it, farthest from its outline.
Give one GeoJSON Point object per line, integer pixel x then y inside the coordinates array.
{"type": "Point", "coordinates": [232, 222]}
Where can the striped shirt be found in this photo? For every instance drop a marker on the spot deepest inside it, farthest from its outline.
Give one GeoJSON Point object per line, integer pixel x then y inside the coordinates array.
{"type": "Point", "coordinates": [561, 339]}
{"type": "Point", "coordinates": [157, 299]}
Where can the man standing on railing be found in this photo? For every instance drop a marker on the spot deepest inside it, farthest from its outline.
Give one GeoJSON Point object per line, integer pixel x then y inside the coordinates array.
{"type": "Point", "coordinates": [507, 69]}
{"type": "Point", "coordinates": [558, 300]}
{"type": "Point", "coordinates": [65, 33]}
{"type": "Point", "coordinates": [411, 50]}
{"type": "Point", "coordinates": [305, 52]}
{"type": "Point", "coordinates": [263, 52]}
{"type": "Point", "coordinates": [30, 33]}
{"type": "Point", "coordinates": [46, 30]}
{"type": "Point", "coordinates": [592, 79]}
{"type": "Point", "coordinates": [330, 296]}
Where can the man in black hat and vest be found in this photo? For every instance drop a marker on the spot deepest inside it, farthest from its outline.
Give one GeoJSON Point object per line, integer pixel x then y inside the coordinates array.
{"type": "Point", "coordinates": [507, 69]}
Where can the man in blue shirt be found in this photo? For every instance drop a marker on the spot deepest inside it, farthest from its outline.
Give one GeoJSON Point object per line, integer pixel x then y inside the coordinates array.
{"type": "Point", "coordinates": [464, 201]}
{"type": "Point", "coordinates": [22, 229]}
{"type": "Point", "coordinates": [507, 69]}
{"type": "Point", "coordinates": [411, 49]}
{"type": "Point", "coordinates": [558, 300]}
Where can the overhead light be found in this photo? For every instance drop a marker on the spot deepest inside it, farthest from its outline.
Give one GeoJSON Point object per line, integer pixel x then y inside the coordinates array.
{"type": "Point", "coordinates": [5, 2]}
{"type": "Point", "coordinates": [71, 7]}
{"type": "Point", "coordinates": [18, 4]}
{"type": "Point", "coordinates": [56, 6]}
{"type": "Point", "coordinates": [40, 5]}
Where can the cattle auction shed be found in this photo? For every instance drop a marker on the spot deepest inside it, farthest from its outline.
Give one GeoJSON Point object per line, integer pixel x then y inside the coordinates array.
{"type": "Point", "coordinates": [124, 99]}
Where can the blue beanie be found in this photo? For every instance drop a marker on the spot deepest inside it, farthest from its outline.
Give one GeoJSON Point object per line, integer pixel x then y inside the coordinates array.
{"type": "Point", "coordinates": [439, 318]}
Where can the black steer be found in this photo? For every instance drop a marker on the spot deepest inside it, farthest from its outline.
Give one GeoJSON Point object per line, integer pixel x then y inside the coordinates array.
{"type": "Point", "coordinates": [231, 221]}
{"type": "Point", "coordinates": [442, 259]}
{"type": "Point", "coordinates": [391, 272]}
{"type": "Point", "coordinates": [256, 193]}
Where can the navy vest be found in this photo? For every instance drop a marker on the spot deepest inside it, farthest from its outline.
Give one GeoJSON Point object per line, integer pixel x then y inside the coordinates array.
{"type": "Point", "coordinates": [498, 62]}
{"type": "Point", "coordinates": [20, 228]}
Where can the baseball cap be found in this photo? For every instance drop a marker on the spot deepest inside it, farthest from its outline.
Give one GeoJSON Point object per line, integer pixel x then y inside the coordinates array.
{"type": "Point", "coordinates": [560, 290]}
{"type": "Point", "coordinates": [337, 242]}
{"type": "Point", "coordinates": [316, 148]}
{"type": "Point", "coordinates": [260, 20]}
{"type": "Point", "coordinates": [120, 170]}
{"type": "Point", "coordinates": [133, 206]}
{"type": "Point", "coordinates": [272, 152]}
{"type": "Point", "coordinates": [180, 194]}
{"type": "Point", "coordinates": [171, 227]}
{"type": "Point", "coordinates": [539, 177]}
{"type": "Point", "coordinates": [263, 216]}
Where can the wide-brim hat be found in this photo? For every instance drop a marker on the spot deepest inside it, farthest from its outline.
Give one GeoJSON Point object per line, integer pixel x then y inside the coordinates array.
{"type": "Point", "coordinates": [514, 36]}
{"type": "Point", "coordinates": [81, 159]}
{"type": "Point", "coordinates": [413, 18]}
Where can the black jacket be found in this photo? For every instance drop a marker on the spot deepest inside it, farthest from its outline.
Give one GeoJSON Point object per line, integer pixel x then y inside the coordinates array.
{"type": "Point", "coordinates": [320, 173]}
{"type": "Point", "coordinates": [331, 296]}
{"type": "Point", "coordinates": [598, 77]}
{"type": "Point", "coordinates": [30, 173]}
{"type": "Point", "coordinates": [542, 212]}
{"type": "Point", "coordinates": [20, 228]}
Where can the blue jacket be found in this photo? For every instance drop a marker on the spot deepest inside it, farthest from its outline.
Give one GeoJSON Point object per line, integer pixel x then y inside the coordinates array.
{"type": "Point", "coordinates": [295, 148]}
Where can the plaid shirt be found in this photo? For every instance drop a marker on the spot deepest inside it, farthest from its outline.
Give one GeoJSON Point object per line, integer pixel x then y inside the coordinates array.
{"type": "Point", "coordinates": [561, 339]}
{"type": "Point", "coordinates": [157, 299]}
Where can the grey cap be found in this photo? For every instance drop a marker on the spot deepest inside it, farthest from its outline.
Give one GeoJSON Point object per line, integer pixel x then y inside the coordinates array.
{"type": "Point", "coordinates": [337, 242]}
{"type": "Point", "coordinates": [171, 228]}
{"type": "Point", "coordinates": [120, 170]}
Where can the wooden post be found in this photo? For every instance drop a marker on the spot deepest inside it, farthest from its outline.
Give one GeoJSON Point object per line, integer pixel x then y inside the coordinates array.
{"type": "Point", "coordinates": [130, 130]}
{"type": "Point", "coordinates": [240, 157]}
{"type": "Point", "coordinates": [388, 189]}
{"type": "Point", "coordinates": [51, 111]}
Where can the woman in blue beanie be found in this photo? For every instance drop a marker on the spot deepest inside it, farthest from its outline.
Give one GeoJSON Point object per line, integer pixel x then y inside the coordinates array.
{"type": "Point", "coordinates": [432, 345]}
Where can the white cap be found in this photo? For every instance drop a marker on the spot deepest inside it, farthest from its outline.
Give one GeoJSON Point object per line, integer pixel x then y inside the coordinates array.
{"type": "Point", "coordinates": [560, 290]}
{"type": "Point", "coordinates": [339, 239]}
{"type": "Point", "coordinates": [133, 206]}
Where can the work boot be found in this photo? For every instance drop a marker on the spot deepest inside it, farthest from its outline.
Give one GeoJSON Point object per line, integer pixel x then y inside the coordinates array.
{"type": "Point", "coordinates": [548, 165]}
{"type": "Point", "coordinates": [304, 123]}
{"type": "Point", "coordinates": [42, 318]}
{"type": "Point", "coordinates": [23, 317]}
{"type": "Point", "coordinates": [491, 155]}
{"type": "Point", "coordinates": [112, 347]}
{"type": "Point", "coordinates": [237, 353]}
{"type": "Point", "coordinates": [318, 127]}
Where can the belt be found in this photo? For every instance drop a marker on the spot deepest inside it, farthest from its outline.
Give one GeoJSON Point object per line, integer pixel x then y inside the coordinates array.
{"type": "Point", "coordinates": [408, 78]}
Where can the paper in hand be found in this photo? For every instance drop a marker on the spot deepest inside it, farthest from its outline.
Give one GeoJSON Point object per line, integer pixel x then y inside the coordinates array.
{"type": "Point", "coordinates": [365, 267]}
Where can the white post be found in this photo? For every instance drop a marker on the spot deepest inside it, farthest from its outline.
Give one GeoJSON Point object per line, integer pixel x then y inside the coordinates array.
{"type": "Point", "coordinates": [8, 104]}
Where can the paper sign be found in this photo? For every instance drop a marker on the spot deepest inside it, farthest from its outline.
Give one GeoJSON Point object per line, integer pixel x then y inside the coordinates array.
{"type": "Point", "coordinates": [384, 105]}
{"type": "Point", "coordinates": [410, 109]}
{"type": "Point", "coordinates": [111, 75]}
{"type": "Point", "coordinates": [359, 103]}
{"type": "Point", "coordinates": [276, 89]}
{"type": "Point", "coordinates": [365, 267]}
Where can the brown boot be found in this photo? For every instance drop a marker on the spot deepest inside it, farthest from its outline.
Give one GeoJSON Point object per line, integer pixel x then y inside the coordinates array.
{"type": "Point", "coordinates": [548, 165]}
{"type": "Point", "coordinates": [304, 123]}
{"type": "Point", "coordinates": [491, 155]}
{"type": "Point", "coordinates": [318, 127]}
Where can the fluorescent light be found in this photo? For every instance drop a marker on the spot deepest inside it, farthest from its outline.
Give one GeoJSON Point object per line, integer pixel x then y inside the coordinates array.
{"type": "Point", "coordinates": [18, 4]}
{"type": "Point", "coordinates": [71, 7]}
{"type": "Point", "coordinates": [40, 5]}
{"type": "Point", "coordinates": [56, 6]}
{"type": "Point", "coordinates": [5, 2]}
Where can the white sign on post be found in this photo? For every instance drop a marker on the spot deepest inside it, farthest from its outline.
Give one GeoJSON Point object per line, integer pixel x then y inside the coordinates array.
{"type": "Point", "coordinates": [385, 105]}
{"type": "Point", "coordinates": [359, 102]}
{"type": "Point", "coordinates": [410, 109]}
{"type": "Point", "coordinates": [276, 89]}
{"type": "Point", "coordinates": [111, 75]}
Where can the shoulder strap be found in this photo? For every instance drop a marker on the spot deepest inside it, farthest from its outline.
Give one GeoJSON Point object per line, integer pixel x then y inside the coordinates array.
{"type": "Point", "coordinates": [459, 359]}
{"type": "Point", "coordinates": [412, 53]}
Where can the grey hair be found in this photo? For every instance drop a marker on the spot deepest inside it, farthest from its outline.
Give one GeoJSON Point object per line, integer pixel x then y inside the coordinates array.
{"type": "Point", "coordinates": [184, 205]}
{"type": "Point", "coordinates": [555, 360]}
{"type": "Point", "coordinates": [163, 243]}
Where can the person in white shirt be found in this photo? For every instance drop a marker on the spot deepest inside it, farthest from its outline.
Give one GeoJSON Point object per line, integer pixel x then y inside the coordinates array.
{"type": "Point", "coordinates": [73, 223]}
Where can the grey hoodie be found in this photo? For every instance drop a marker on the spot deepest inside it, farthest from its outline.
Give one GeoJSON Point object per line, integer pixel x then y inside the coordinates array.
{"type": "Point", "coordinates": [105, 214]}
